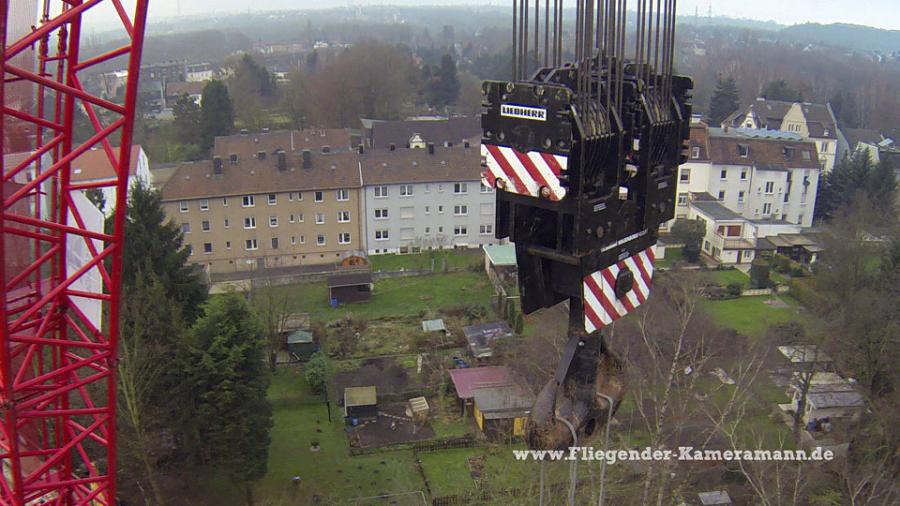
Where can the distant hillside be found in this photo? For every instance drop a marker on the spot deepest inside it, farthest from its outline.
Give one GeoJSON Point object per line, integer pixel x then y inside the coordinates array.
{"type": "Point", "coordinates": [198, 46]}
{"type": "Point", "coordinates": [852, 36]}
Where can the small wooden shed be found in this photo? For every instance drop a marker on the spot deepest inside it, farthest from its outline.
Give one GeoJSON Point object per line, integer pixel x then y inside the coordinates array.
{"type": "Point", "coordinates": [350, 287]}
{"type": "Point", "coordinates": [361, 403]}
{"type": "Point", "coordinates": [502, 411]}
{"type": "Point", "coordinates": [300, 343]}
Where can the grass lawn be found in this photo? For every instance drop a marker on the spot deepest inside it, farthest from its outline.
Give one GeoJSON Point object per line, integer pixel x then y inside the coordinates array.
{"type": "Point", "coordinates": [751, 316]}
{"type": "Point", "coordinates": [673, 255]}
{"type": "Point", "coordinates": [331, 472]}
{"type": "Point", "coordinates": [727, 277]}
{"type": "Point", "coordinates": [454, 259]}
{"type": "Point", "coordinates": [404, 296]}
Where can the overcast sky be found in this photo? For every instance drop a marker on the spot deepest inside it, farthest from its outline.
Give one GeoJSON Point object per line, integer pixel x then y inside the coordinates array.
{"type": "Point", "coordinates": [878, 13]}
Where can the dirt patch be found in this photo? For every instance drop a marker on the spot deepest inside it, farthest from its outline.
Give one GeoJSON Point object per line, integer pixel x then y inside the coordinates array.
{"type": "Point", "coordinates": [391, 427]}
{"type": "Point", "coordinates": [388, 377]}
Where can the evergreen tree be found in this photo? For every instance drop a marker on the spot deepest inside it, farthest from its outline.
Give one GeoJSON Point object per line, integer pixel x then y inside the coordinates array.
{"type": "Point", "coordinates": [781, 90]}
{"type": "Point", "coordinates": [230, 418]}
{"type": "Point", "coordinates": [187, 120]}
{"type": "Point", "coordinates": [725, 100]}
{"type": "Point", "coordinates": [857, 174]}
{"type": "Point", "coordinates": [445, 85]}
{"type": "Point", "coordinates": [155, 244]}
{"type": "Point", "coordinates": [216, 113]}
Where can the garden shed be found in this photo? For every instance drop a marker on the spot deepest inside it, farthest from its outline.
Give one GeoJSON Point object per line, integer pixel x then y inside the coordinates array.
{"type": "Point", "coordinates": [361, 403]}
{"type": "Point", "coordinates": [466, 380]}
{"type": "Point", "coordinates": [502, 411]}
{"type": "Point", "coordinates": [482, 338]}
{"type": "Point", "coordinates": [349, 288]}
{"type": "Point", "coordinates": [300, 344]}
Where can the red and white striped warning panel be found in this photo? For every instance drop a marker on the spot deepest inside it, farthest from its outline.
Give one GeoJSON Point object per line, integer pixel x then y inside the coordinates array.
{"type": "Point", "coordinates": [601, 306]}
{"type": "Point", "coordinates": [524, 173]}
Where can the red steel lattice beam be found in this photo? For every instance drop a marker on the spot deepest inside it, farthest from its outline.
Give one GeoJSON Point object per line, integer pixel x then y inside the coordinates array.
{"type": "Point", "coordinates": [57, 364]}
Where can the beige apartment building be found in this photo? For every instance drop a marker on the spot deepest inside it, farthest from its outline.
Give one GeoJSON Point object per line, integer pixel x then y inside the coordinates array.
{"type": "Point", "coordinates": [268, 210]}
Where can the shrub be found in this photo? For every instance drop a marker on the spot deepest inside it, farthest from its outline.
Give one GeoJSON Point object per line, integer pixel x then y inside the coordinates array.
{"type": "Point", "coordinates": [316, 372]}
{"type": "Point", "coordinates": [759, 274]}
{"type": "Point", "coordinates": [734, 289]}
{"type": "Point", "coordinates": [781, 264]}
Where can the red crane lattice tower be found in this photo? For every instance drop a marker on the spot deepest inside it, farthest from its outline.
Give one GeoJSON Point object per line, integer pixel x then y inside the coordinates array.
{"type": "Point", "coordinates": [57, 356]}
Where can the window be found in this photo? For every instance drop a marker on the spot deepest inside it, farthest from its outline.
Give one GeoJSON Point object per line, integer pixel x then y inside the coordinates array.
{"type": "Point", "coordinates": [407, 213]}
{"type": "Point", "coordinates": [207, 248]}
{"type": "Point", "coordinates": [441, 230]}
{"type": "Point", "coordinates": [381, 214]}
{"type": "Point", "coordinates": [806, 155]}
{"type": "Point", "coordinates": [293, 240]}
{"type": "Point", "coordinates": [183, 206]}
{"type": "Point", "coordinates": [190, 250]}
{"type": "Point", "coordinates": [460, 230]}
{"type": "Point", "coordinates": [407, 233]}
{"type": "Point", "coordinates": [682, 199]}
{"type": "Point", "coordinates": [204, 204]}
{"type": "Point", "coordinates": [291, 196]}
{"type": "Point", "coordinates": [342, 195]}
{"type": "Point", "coordinates": [685, 176]}
{"type": "Point", "coordinates": [204, 226]}
{"type": "Point", "coordinates": [344, 238]}
{"type": "Point", "coordinates": [695, 152]}
{"type": "Point", "coordinates": [440, 209]}
{"type": "Point", "coordinates": [486, 229]}
{"type": "Point", "coordinates": [320, 197]}
{"type": "Point", "coordinates": [224, 201]}
{"type": "Point", "coordinates": [273, 199]}
{"type": "Point", "coordinates": [381, 235]}
{"type": "Point", "coordinates": [486, 189]}
{"type": "Point", "coordinates": [302, 239]}
{"type": "Point", "coordinates": [300, 218]}
{"type": "Point", "coordinates": [291, 218]}
{"type": "Point", "coordinates": [770, 187]}
{"type": "Point", "coordinates": [460, 188]}
{"type": "Point", "coordinates": [824, 147]}
{"type": "Point", "coordinates": [274, 243]}
{"type": "Point", "coordinates": [299, 195]}
{"type": "Point", "coordinates": [227, 223]}
{"type": "Point", "coordinates": [721, 195]}
{"type": "Point", "coordinates": [800, 218]}
{"type": "Point", "coordinates": [767, 208]}
{"type": "Point", "coordinates": [185, 228]}
{"type": "Point", "coordinates": [487, 209]}
{"type": "Point", "coordinates": [227, 244]}
{"type": "Point", "coordinates": [250, 245]}
{"type": "Point", "coordinates": [740, 196]}
{"type": "Point", "coordinates": [343, 216]}
{"type": "Point", "coordinates": [427, 188]}
{"type": "Point", "coordinates": [427, 209]}
{"type": "Point", "coordinates": [250, 222]}
{"type": "Point", "coordinates": [248, 201]}
{"type": "Point", "coordinates": [381, 192]}
{"type": "Point", "coordinates": [460, 210]}
{"type": "Point", "coordinates": [320, 218]}
{"type": "Point", "coordinates": [743, 174]}
{"type": "Point", "coordinates": [273, 221]}
{"type": "Point", "coordinates": [440, 187]}
{"type": "Point", "coordinates": [743, 150]}
{"type": "Point", "coordinates": [320, 240]}
{"type": "Point", "coordinates": [723, 174]}
{"type": "Point", "coordinates": [406, 190]}
{"type": "Point", "coordinates": [427, 230]}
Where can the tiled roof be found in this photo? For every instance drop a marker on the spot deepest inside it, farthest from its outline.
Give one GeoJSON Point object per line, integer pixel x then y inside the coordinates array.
{"type": "Point", "coordinates": [763, 152]}
{"type": "Point", "coordinates": [254, 176]}
{"type": "Point", "coordinates": [384, 133]}
{"type": "Point", "coordinates": [405, 165]}
{"type": "Point", "coordinates": [247, 145]}
{"type": "Point", "coordinates": [856, 135]}
{"type": "Point", "coordinates": [94, 165]}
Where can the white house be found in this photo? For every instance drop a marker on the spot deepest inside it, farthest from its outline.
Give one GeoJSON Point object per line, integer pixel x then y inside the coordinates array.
{"type": "Point", "coordinates": [93, 166]}
{"type": "Point", "coordinates": [815, 122]}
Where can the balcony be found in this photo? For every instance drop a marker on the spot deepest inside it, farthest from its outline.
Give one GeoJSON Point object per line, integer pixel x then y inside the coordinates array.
{"type": "Point", "coordinates": [726, 243]}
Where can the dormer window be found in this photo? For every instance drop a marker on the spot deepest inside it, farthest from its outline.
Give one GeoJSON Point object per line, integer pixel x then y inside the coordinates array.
{"type": "Point", "coordinates": [744, 150]}
{"type": "Point", "coordinates": [788, 152]}
{"type": "Point", "coordinates": [233, 158]}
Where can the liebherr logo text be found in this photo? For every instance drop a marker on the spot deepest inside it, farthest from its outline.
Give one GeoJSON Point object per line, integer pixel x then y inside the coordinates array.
{"type": "Point", "coordinates": [523, 112]}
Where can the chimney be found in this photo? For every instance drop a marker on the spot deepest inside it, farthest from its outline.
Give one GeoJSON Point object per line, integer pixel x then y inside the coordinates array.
{"type": "Point", "coordinates": [466, 144]}
{"type": "Point", "coordinates": [430, 148]}
{"type": "Point", "coordinates": [307, 159]}
{"type": "Point", "coordinates": [393, 147]}
{"type": "Point", "coordinates": [326, 149]}
{"type": "Point", "coordinates": [261, 155]}
{"type": "Point", "coordinates": [218, 166]}
{"type": "Point", "coordinates": [360, 149]}
{"type": "Point", "coordinates": [282, 160]}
